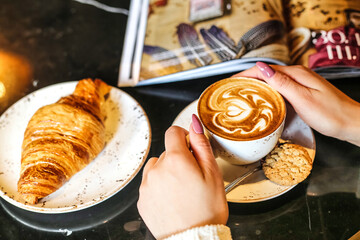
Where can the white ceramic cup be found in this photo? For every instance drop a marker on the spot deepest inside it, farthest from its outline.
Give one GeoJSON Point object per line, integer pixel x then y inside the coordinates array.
{"type": "Point", "coordinates": [234, 147]}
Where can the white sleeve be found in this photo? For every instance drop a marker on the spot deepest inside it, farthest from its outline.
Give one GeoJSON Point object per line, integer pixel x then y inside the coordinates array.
{"type": "Point", "coordinates": [208, 232]}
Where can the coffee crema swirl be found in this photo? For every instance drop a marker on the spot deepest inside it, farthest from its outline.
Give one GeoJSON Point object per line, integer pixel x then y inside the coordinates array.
{"type": "Point", "coordinates": [241, 109]}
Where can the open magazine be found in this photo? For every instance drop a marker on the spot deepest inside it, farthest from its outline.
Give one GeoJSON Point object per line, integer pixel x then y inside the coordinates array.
{"type": "Point", "coordinates": [174, 40]}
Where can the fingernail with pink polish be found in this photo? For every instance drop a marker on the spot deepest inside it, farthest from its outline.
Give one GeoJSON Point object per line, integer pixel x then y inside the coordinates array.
{"type": "Point", "coordinates": [196, 124]}
{"type": "Point", "coordinates": [265, 69]}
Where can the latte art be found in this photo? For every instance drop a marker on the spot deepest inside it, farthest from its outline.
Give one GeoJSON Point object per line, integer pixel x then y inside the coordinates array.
{"type": "Point", "coordinates": [241, 108]}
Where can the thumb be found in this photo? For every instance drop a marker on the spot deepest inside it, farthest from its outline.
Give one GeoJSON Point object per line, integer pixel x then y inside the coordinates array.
{"type": "Point", "coordinates": [201, 148]}
{"type": "Point", "coordinates": [281, 82]}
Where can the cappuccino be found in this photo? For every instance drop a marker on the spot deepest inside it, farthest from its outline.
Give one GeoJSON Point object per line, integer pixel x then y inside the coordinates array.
{"type": "Point", "coordinates": [241, 109]}
{"type": "Point", "coordinates": [244, 118]}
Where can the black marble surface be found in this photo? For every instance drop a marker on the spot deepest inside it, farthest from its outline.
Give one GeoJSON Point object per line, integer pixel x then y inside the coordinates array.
{"type": "Point", "coordinates": [66, 40]}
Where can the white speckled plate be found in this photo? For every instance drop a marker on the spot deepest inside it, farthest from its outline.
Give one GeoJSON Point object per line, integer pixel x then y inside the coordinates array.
{"type": "Point", "coordinates": [128, 137]}
{"type": "Point", "coordinates": [257, 187]}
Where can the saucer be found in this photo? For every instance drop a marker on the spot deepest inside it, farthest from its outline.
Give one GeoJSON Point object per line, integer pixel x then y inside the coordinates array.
{"type": "Point", "coordinates": [257, 187]}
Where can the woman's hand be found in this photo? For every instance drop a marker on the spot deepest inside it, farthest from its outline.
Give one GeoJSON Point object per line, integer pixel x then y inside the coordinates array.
{"type": "Point", "coordinates": [321, 105]}
{"type": "Point", "coordinates": [182, 188]}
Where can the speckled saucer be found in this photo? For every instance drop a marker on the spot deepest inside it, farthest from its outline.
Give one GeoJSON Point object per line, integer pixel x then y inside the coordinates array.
{"type": "Point", "coordinates": [128, 139]}
{"type": "Point", "coordinates": [257, 187]}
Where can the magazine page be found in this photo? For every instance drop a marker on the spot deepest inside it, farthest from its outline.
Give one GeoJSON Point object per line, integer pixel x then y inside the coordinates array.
{"type": "Point", "coordinates": [325, 36]}
{"type": "Point", "coordinates": [202, 37]}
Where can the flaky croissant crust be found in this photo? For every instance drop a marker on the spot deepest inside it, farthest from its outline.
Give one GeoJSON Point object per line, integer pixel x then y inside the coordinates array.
{"type": "Point", "coordinates": [61, 139]}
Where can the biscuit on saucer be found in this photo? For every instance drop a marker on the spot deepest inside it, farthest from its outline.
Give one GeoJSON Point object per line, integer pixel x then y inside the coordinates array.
{"type": "Point", "coordinates": [287, 164]}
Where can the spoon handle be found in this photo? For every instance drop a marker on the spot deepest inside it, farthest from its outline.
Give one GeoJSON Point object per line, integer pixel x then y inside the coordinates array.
{"type": "Point", "coordinates": [238, 180]}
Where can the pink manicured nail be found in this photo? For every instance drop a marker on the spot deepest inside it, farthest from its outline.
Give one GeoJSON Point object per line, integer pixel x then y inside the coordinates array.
{"type": "Point", "coordinates": [265, 69]}
{"type": "Point", "coordinates": [196, 124]}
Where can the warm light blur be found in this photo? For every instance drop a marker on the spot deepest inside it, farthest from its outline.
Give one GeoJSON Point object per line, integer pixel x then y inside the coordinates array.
{"type": "Point", "coordinates": [15, 77]}
{"type": "Point", "coordinates": [2, 90]}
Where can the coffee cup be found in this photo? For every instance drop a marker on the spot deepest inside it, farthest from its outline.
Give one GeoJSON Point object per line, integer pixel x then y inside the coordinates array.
{"type": "Point", "coordinates": [243, 118]}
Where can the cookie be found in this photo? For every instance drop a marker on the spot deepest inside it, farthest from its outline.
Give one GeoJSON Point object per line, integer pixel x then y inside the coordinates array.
{"type": "Point", "coordinates": [287, 164]}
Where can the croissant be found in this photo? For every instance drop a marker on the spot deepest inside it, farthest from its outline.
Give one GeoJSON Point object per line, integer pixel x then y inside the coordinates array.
{"type": "Point", "coordinates": [61, 139]}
